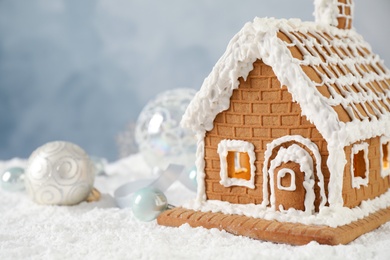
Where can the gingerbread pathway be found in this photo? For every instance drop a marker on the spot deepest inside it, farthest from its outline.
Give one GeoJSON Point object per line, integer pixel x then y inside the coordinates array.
{"type": "Point", "coordinates": [291, 233]}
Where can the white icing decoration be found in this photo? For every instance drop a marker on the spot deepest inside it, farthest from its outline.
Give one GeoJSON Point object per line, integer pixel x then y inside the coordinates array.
{"type": "Point", "coordinates": [281, 174]}
{"type": "Point", "coordinates": [200, 165]}
{"type": "Point", "coordinates": [297, 154]}
{"type": "Point", "coordinates": [327, 11]}
{"type": "Point", "coordinates": [237, 146]}
{"type": "Point", "coordinates": [313, 148]}
{"type": "Point", "coordinates": [359, 181]}
{"type": "Point", "coordinates": [385, 141]}
{"type": "Point", "coordinates": [258, 40]}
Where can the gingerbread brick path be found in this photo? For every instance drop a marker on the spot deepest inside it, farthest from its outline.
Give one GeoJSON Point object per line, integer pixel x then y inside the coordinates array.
{"type": "Point", "coordinates": [290, 233]}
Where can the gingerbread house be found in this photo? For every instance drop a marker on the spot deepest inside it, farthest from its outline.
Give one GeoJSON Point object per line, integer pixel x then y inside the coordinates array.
{"type": "Point", "coordinates": [293, 128]}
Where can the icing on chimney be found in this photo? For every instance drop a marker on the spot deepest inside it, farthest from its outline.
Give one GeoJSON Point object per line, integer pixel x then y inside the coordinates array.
{"type": "Point", "coordinates": [338, 13]}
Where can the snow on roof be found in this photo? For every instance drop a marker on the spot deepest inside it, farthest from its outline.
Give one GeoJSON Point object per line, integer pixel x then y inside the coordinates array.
{"type": "Point", "coordinates": [341, 86]}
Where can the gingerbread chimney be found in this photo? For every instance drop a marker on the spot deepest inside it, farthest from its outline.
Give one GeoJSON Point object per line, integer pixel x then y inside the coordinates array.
{"type": "Point", "coordinates": [338, 13]}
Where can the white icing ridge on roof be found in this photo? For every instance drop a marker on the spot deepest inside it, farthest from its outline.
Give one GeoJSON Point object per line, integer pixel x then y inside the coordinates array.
{"type": "Point", "coordinates": [258, 40]}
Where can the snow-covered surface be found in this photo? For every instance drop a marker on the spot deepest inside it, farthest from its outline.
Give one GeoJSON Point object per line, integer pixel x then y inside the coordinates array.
{"type": "Point", "coordinates": [99, 230]}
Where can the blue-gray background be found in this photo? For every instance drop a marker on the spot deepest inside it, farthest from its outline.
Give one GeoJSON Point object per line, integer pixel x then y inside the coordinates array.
{"type": "Point", "coordinates": [81, 71]}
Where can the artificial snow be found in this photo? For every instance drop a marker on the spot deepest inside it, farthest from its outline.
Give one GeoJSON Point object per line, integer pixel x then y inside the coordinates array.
{"type": "Point", "coordinates": [100, 230]}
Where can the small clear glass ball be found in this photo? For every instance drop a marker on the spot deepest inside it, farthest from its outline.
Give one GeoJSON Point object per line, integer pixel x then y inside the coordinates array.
{"type": "Point", "coordinates": [148, 203]}
{"type": "Point", "coordinates": [12, 179]}
{"type": "Point", "coordinates": [160, 138]}
{"type": "Point", "coordinates": [100, 165]}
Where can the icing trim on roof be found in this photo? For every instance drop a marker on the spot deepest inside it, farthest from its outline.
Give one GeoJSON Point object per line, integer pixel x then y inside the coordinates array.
{"type": "Point", "coordinates": [259, 40]}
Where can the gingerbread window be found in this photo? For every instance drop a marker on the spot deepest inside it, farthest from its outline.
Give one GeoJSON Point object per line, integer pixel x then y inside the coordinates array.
{"type": "Point", "coordinates": [359, 165]}
{"type": "Point", "coordinates": [385, 156]}
{"type": "Point", "coordinates": [237, 160]}
{"type": "Point", "coordinates": [238, 165]}
{"type": "Point", "coordinates": [286, 180]}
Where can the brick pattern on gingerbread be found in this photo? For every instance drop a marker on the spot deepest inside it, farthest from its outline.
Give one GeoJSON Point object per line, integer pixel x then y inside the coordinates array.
{"type": "Point", "coordinates": [261, 110]}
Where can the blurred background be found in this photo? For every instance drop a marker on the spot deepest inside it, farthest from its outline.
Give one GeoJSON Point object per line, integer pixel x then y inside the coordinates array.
{"type": "Point", "coordinates": [82, 71]}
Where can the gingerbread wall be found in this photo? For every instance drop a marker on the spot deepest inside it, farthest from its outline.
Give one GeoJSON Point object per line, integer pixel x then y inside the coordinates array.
{"type": "Point", "coordinates": [376, 185]}
{"type": "Point", "coordinates": [260, 111]}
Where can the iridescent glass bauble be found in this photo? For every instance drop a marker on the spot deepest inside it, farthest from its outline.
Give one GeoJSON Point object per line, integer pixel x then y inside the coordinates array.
{"type": "Point", "coordinates": [12, 179]}
{"type": "Point", "coordinates": [59, 173]}
{"type": "Point", "coordinates": [160, 138]}
{"type": "Point", "coordinates": [148, 203]}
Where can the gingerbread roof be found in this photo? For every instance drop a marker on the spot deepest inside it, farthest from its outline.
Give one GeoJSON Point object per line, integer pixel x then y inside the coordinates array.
{"type": "Point", "coordinates": [340, 84]}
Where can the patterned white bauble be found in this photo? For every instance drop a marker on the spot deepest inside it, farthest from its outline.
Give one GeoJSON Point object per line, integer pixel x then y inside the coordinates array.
{"type": "Point", "coordinates": [59, 173]}
{"type": "Point", "coordinates": [160, 138]}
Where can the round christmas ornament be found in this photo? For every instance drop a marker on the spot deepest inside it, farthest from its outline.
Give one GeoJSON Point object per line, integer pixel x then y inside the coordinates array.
{"type": "Point", "coordinates": [12, 179]}
{"type": "Point", "coordinates": [160, 138]}
{"type": "Point", "coordinates": [59, 173]}
{"type": "Point", "coordinates": [148, 203]}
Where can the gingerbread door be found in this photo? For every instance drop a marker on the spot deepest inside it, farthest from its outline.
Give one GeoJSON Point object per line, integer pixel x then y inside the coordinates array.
{"type": "Point", "coordinates": [291, 180]}
{"type": "Point", "coordinates": [288, 187]}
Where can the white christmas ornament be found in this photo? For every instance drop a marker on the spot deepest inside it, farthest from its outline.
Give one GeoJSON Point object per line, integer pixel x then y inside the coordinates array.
{"type": "Point", "coordinates": [158, 133]}
{"type": "Point", "coordinates": [59, 173]}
